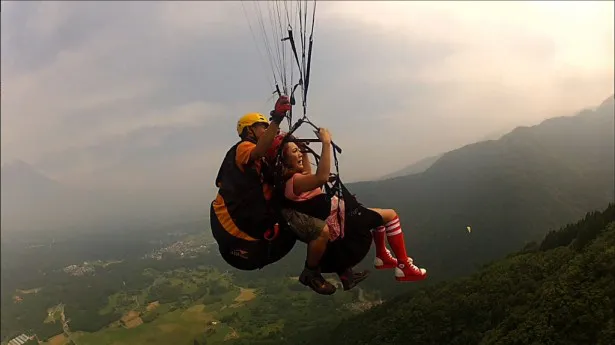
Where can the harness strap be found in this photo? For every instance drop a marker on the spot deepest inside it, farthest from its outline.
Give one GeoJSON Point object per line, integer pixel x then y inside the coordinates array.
{"type": "Point", "coordinates": [294, 48]}
{"type": "Point", "coordinates": [309, 63]}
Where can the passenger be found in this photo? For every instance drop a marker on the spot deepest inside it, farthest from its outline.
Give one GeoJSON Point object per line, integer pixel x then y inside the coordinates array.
{"type": "Point", "coordinates": [303, 193]}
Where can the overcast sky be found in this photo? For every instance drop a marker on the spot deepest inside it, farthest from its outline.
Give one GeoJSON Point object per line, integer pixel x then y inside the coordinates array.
{"type": "Point", "coordinates": [148, 93]}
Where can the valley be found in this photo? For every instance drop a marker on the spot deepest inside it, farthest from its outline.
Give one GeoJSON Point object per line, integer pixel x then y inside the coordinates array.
{"type": "Point", "coordinates": [161, 283]}
{"type": "Point", "coordinates": [174, 298]}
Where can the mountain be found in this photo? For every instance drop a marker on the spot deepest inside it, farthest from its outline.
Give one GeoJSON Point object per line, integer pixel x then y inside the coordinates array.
{"type": "Point", "coordinates": [414, 168]}
{"type": "Point", "coordinates": [495, 135]}
{"type": "Point", "coordinates": [508, 191]}
{"type": "Point", "coordinates": [424, 163]}
{"type": "Point", "coordinates": [560, 292]}
{"type": "Point", "coordinates": [29, 197]}
{"type": "Point", "coordinates": [32, 201]}
{"type": "Point", "coordinates": [21, 183]}
{"type": "Point", "coordinates": [35, 203]}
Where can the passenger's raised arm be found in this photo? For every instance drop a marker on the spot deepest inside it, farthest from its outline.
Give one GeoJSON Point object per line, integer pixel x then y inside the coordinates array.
{"type": "Point", "coordinates": [305, 158]}
{"type": "Point", "coordinates": [304, 183]}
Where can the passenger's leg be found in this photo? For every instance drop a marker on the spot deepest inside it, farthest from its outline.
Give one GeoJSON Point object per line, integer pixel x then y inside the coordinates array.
{"type": "Point", "coordinates": [315, 233]}
{"type": "Point", "coordinates": [387, 214]}
{"type": "Point", "coordinates": [383, 259]}
{"type": "Point", "coordinates": [316, 248]}
{"type": "Point", "coordinates": [405, 270]}
{"type": "Point", "coordinates": [311, 273]}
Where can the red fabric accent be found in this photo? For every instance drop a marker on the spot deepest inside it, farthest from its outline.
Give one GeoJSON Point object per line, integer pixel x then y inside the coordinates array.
{"type": "Point", "coordinates": [271, 235]}
{"type": "Point", "coordinates": [273, 149]}
{"type": "Point", "coordinates": [336, 229]}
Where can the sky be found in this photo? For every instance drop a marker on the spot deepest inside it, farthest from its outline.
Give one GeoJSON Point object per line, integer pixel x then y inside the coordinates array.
{"type": "Point", "coordinates": [143, 97]}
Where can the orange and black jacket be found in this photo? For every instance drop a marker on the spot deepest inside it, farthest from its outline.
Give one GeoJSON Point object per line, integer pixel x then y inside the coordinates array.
{"type": "Point", "coordinates": [243, 205]}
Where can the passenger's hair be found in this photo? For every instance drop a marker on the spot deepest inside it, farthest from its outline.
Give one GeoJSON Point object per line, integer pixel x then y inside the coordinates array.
{"type": "Point", "coordinates": [286, 172]}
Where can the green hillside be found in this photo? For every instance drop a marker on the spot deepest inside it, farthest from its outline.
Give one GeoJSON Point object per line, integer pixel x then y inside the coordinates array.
{"type": "Point", "coordinates": [508, 190]}
{"type": "Point", "coordinates": [562, 292]}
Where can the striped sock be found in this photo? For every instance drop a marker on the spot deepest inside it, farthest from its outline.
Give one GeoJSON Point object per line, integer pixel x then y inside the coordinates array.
{"type": "Point", "coordinates": [395, 237]}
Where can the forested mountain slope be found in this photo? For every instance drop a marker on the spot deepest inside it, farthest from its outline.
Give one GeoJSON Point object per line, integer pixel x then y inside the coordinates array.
{"type": "Point", "coordinates": [560, 292]}
{"type": "Point", "coordinates": [509, 191]}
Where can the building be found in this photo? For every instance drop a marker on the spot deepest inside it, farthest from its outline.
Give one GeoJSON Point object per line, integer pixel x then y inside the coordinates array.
{"type": "Point", "coordinates": [19, 340]}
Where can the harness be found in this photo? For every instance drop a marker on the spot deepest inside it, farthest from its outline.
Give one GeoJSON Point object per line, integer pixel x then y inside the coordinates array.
{"type": "Point", "coordinates": [333, 188]}
{"type": "Point", "coordinates": [242, 192]}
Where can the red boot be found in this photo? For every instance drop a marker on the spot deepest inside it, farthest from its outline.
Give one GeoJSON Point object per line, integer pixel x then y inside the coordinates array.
{"type": "Point", "coordinates": [384, 260]}
{"type": "Point", "coordinates": [409, 272]}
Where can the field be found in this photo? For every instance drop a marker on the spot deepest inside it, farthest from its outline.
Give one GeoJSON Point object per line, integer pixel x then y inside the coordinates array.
{"type": "Point", "coordinates": [245, 295]}
{"type": "Point", "coordinates": [59, 339]}
{"type": "Point", "coordinates": [179, 326]}
{"type": "Point", "coordinates": [54, 314]}
{"type": "Point", "coordinates": [168, 323]}
{"type": "Point", "coordinates": [176, 327]}
{"type": "Point", "coordinates": [29, 291]}
{"type": "Point", "coordinates": [225, 313]}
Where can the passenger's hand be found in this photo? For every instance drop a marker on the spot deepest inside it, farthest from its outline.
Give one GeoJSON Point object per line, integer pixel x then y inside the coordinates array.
{"type": "Point", "coordinates": [324, 136]}
{"type": "Point", "coordinates": [303, 146]}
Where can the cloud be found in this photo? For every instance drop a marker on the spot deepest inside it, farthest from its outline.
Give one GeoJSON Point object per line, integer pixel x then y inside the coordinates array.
{"type": "Point", "coordinates": [112, 75]}
{"type": "Point", "coordinates": [121, 94]}
{"type": "Point", "coordinates": [499, 65]}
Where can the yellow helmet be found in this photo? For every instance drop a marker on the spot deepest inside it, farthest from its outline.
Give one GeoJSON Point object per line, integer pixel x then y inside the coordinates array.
{"type": "Point", "coordinates": [248, 120]}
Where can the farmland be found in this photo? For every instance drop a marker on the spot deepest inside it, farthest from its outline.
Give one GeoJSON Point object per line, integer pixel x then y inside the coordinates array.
{"type": "Point", "coordinates": [171, 299]}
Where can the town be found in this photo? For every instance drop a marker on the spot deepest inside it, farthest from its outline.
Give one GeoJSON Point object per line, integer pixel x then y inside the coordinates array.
{"type": "Point", "coordinates": [189, 248]}
{"type": "Point", "coordinates": [76, 270]}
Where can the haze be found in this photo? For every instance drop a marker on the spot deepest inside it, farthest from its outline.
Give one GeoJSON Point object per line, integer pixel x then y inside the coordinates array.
{"type": "Point", "coordinates": [142, 98]}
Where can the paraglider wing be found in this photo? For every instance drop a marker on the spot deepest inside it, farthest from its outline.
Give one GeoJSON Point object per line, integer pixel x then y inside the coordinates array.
{"type": "Point", "coordinates": [280, 30]}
